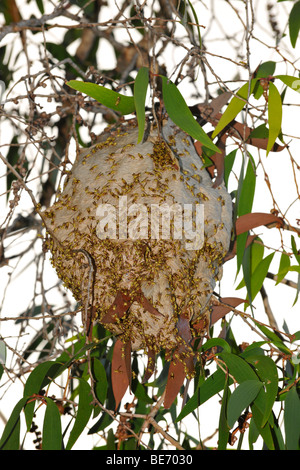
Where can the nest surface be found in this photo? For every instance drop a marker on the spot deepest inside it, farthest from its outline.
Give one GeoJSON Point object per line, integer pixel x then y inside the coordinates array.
{"type": "Point", "coordinates": [140, 287]}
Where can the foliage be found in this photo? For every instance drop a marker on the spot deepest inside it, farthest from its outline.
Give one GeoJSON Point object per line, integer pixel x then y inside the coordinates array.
{"type": "Point", "coordinates": [57, 105]}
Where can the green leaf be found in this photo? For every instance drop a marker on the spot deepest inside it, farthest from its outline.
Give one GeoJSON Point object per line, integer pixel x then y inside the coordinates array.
{"type": "Point", "coordinates": [104, 421]}
{"type": "Point", "coordinates": [264, 71]}
{"type": "Point", "coordinates": [259, 275]}
{"type": "Point", "coordinates": [181, 115]}
{"type": "Point", "coordinates": [295, 249]}
{"type": "Point", "coordinates": [246, 265]}
{"type": "Point", "coordinates": [246, 196]}
{"type": "Point", "coordinates": [256, 255]}
{"type": "Point", "coordinates": [241, 398]}
{"type": "Point", "coordinates": [40, 6]}
{"type": "Point", "coordinates": [101, 380]}
{"type": "Point", "coordinates": [228, 164]}
{"type": "Point", "coordinates": [139, 96]}
{"type": "Point", "coordinates": [294, 23]}
{"type": "Point", "coordinates": [52, 435]}
{"type": "Point", "coordinates": [238, 367]}
{"type": "Point", "coordinates": [235, 106]}
{"type": "Point", "coordinates": [283, 267]}
{"type": "Point", "coordinates": [213, 342]}
{"type": "Point", "coordinates": [109, 98]}
{"type": "Point", "coordinates": [260, 132]}
{"type": "Point", "coordinates": [274, 115]}
{"type": "Point", "coordinates": [223, 425]}
{"type": "Point", "coordinates": [84, 412]}
{"type": "Point", "coordinates": [10, 439]}
{"type": "Point", "coordinates": [292, 419]}
{"type": "Point", "coordinates": [273, 337]}
{"type": "Point", "coordinates": [210, 387]}
{"type": "Point", "coordinates": [110, 443]}
{"type": "Point", "coordinates": [33, 385]}
{"type": "Point", "coordinates": [255, 270]}
{"type": "Point", "coordinates": [267, 372]}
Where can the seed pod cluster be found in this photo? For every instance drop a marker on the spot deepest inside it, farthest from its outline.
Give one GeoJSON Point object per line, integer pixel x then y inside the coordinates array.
{"type": "Point", "coordinates": [148, 286]}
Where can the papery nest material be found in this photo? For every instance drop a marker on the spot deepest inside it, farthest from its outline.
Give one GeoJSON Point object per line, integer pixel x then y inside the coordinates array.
{"type": "Point", "coordinates": [152, 292]}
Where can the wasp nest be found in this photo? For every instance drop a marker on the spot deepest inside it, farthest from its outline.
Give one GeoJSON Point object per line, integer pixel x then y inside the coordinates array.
{"type": "Point", "coordinates": [112, 246]}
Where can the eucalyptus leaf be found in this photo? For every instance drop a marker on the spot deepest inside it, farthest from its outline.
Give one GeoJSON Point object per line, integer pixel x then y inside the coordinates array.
{"type": "Point", "coordinates": [294, 23]}
{"type": "Point", "coordinates": [181, 115]}
{"type": "Point", "coordinates": [11, 434]}
{"type": "Point", "coordinates": [83, 414]}
{"type": "Point", "coordinates": [139, 95]}
{"type": "Point", "coordinates": [241, 398]}
{"type": "Point", "coordinates": [267, 371]}
{"type": "Point", "coordinates": [33, 386]}
{"type": "Point", "coordinates": [235, 106]}
{"type": "Point", "coordinates": [274, 115]}
{"type": "Point", "coordinates": [109, 98]}
{"type": "Point", "coordinates": [52, 434]}
{"type": "Point", "coordinates": [292, 419]}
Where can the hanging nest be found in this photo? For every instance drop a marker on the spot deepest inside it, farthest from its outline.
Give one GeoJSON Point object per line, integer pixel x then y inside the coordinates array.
{"type": "Point", "coordinates": [153, 293]}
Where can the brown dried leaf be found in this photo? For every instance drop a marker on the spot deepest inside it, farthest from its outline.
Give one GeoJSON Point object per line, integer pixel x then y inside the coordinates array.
{"type": "Point", "coordinates": [120, 305]}
{"type": "Point", "coordinates": [219, 311]}
{"type": "Point", "coordinates": [147, 305]}
{"type": "Point", "coordinates": [176, 378]}
{"type": "Point", "coordinates": [121, 369]}
{"type": "Point", "coordinates": [255, 219]}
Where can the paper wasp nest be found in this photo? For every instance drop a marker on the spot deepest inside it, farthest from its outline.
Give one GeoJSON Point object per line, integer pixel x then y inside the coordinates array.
{"type": "Point", "coordinates": [154, 288]}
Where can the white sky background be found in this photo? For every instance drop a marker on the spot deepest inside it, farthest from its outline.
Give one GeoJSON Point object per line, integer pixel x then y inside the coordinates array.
{"type": "Point", "coordinates": [18, 294]}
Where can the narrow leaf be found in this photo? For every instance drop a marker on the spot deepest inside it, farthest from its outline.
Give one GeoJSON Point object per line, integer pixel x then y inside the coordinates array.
{"type": "Point", "coordinates": [248, 189]}
{"type": "Point", "coordinates": [210, 387]}
{"type": "Point", "coordinates": [238, 367]}
{"type": "Point", "coordinates": [274, 115]}
{"type": "Point", "coordinates": [294, 23]}
{"type": "Point", "coordinates": [223, 425]}
{"type": "Point", "coordinates": [241, 398]}
{"type": "Point", "coordinates": [11, 435]}
{"type": "Point", "coordinates": [228, 164]}
{"type": "Point", "coordinates": [283, 267]}
{"type": "Point", "coordinates": [267, 372]}
{"type": "Point", "coordinates": [235, 106]}
{"type": "Point", "coordinates": [181, 115]}
{"type": "Point", "coordinates": [52, 436]}
{"type": "Point", "coordinates": [109, 98]}
{"type": "Point", "coordinates": [176, 378]}
{"type": "Point", "coordinates": [84, 412]}
{"type": "Point", "coordinates": [120, 370]}
{"type": "Point", "coordinates": [101, 380]}
{"type": "Point", "coordinates": [292, 419]}
{"type": "Point", "coordinates": [33, 386]}
{"type": "Point", "coordinates": [139, 95]}
{"type": "Point", "coordinates": [259, 275]}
